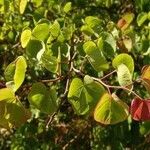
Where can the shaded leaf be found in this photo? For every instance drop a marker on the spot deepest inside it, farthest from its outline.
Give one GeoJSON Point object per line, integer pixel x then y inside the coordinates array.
{"type": "Point", "coordinates": [33, 47]}
{"type": "Point", "coordinates": [84, 95]}
{"type": "Point", "coordinates": [49, 61]}
{"type": "Point", "coordinates": [110, 111]}
{"type": "Point", "coordinates": [95, 56]}
{"type": "Point", "coordinates": [42, 99]}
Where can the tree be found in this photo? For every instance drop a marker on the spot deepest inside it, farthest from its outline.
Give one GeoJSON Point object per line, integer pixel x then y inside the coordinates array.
{"type": "Point", "coordinates": [75, 74]}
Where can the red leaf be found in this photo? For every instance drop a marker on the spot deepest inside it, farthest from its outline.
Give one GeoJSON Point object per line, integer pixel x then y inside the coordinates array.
{"type": "Point", "coordinates": [140, 109]}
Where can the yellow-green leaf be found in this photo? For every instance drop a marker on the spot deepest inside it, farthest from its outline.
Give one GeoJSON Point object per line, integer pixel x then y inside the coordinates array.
{"type": "Point", "coordinates": [25, 37]}
{"type": "Point", "coordinates": [19, 72]}
{"type": "Point", "coordinates": [22, 6]}
{"type": "Point", "coordinates": [110, 110]}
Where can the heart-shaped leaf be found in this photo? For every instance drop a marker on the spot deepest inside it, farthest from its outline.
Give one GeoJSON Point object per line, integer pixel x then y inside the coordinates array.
{"type": "Point", "coordinates": [110, 110]}
{"type": "Point", "coordinates": [124, 59]}
{"type": "Point", "coordinates": [42, 99]}
{"type": "Point", "coordinates": [95, 56]}
{"type": "Point", "coordinates": [84, 95]}
{"type": "Point", "coordinates": [140, 109]}
{"type": "Point", "coordinates": [124, 75]}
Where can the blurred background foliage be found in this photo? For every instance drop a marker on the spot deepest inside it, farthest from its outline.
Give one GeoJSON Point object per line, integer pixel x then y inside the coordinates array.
{"type": "Point", "coordinates": [69, 131]}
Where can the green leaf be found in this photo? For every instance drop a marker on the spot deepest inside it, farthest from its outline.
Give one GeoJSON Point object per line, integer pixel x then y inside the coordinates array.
{"type": "Point", "coordinates": [107, 43]}
{"type": "Point", "coordinates": [92, 21]}
{"type": "Point", "coordinates": [95, 56]}
{"type": "Point", "coordinates": [67, 7]}
{"type": "Point", "coordinates": [55, 29]}
{"type": "Point", "coordinates": [15, 73]}
{"type": "Point", "coordinates": [110, 110]}
{"type": "Point", "coordinates": [124, 59]}
{"type": "Point", "coordinates": [49, 61]}
{"type": "Point", "coordinates": [37, 3]}
{"type": "Point", "coordinates": [6, 94]}
{"type": "Point", "coordinates": [42, 99]}
{"type": "Point", "coordinates": [20, 71]}
{"type": "Point", "coordinates": [16, 114]}
{"type": "Point", "coordinates": [10, 71]}
{"type": "Point", "coordinates": [33, 47]}
{"type": "Point", "coordinates": [25, 37]}
{"type": "Point", "coordinates": [87, 30]}
{"type": "Point", "coordinates": [141, 18]}
{"type": "Point", "coordinates": [41, 31]}
{"type": "Point", "coordinates": [83, 96]}
{"type": "Point", "coordinates": [124, 75]}
{"type": "Point", "coordinates": [22, 6]}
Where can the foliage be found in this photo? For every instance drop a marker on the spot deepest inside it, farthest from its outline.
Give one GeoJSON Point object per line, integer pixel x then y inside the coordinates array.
{"type": "Point", "coordinates": [74, 74]}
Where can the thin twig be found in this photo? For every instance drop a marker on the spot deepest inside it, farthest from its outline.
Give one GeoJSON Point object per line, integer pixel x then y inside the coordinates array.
{"type": "Point", "coordinates": [116, 87]}
{"type": "Point", "coordinates": [109, 74]}
{"type": "Point", "coordinates": [53, 80]}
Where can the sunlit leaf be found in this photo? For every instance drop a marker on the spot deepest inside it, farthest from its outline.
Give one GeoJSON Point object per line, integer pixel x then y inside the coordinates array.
{"type": "Point", "coordinates": [84, 95]}
{"type": "Point", "coordinates": [25, 37]}
{"type": "Point", "coordinates": [67, 7]}
{"type": "Point", "coordinates": [42, 99]}
{"type": "Point", "coordinates": [140, 109]}
{"type": "Point", "coordinates": [41, 31]}
{"type": "Point", "coordinates": [92, 21]}
{"type": "Point", "coordinates": [146, 77]}
{"type": "Point", "coordinates": [20, 71]}
{"type": "Point", "coordinates": [22, 6]}
{"type": "Point", "coordinates": [87, 30]}
{"type": "Point", "coordinates": [124, 75]}
{"type": "Point", "coordinates": [6, 94]}
{"type": "Point", "coordinates": [55, 29]}
{"type": "Point", "coordinates": [125, 21]}
{"type": "Point", "coordinates": [141, 18]}
{"type": "Point", "coordinates": [110, 110]}
{"type": "Point", "coordinates": [124, 59]}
